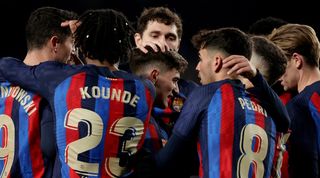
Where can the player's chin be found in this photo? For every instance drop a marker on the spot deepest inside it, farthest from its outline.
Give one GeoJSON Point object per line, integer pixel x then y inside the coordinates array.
{"type": "Point", "coordinates": [165, 103]}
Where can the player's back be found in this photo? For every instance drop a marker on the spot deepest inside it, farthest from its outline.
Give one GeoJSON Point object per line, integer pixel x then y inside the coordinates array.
{"type": "Point", "coordinates": [304, 144]}
{"type": "Point", "coordinates": [100, 119]}
{"type": "Point", "coordinates": [24, 117]}
{"type": "Point", "coordinates": [236, 135]}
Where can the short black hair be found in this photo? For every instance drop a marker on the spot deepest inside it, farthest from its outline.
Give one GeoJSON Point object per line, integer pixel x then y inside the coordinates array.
{"type": "Point", "coordinates": [230, 40]}
{"type": "Point", "coordinates": [104, 35]}
{"type": "Point", "coordinates": [167, 60]}
{"type": "Point", "coordinates": [44, 23]}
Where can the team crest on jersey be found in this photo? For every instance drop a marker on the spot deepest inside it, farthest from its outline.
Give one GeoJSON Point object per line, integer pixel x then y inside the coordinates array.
{"type": "Point", "coordinates": [177, 103]}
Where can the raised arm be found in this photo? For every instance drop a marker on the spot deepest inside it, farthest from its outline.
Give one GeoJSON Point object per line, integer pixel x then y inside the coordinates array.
{"type": "Point", "coordinates": [241, 65]}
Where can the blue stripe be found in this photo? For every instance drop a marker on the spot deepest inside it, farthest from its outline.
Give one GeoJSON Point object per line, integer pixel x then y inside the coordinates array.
{"type": "Point", "coordinates": [142, 105]}
{"type": "Point", "coordinates": [24, 146]}
{"type": "Point", "coordinates": [271, 146]}
{"type": "Point", "coordinates": [213, 140]}
{"type": "Point", "coordinates": [102, 108]}
{"type": "Point", "coordinates": [3, 98]}
{"type": "Point", "coordinates": [60, 109]}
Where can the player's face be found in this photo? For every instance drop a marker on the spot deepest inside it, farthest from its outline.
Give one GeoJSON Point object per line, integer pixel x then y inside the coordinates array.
{"type": "Point", "coordinates": [160, 33]}
{"type": "Point", "coordinates": [64, 50]}
{"type": "Point", "coordinates": [205, 72]}
{"type": "Point", "coordinates": [290, 78]}
{"type": "Point", "coordinates": [165, 84]}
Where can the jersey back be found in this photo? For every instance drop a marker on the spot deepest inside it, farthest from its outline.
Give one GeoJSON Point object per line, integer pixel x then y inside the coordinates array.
{"type": "Point", "coordinates": [236, 136]}
{"type": "Point", "coordinates": [20, 152]}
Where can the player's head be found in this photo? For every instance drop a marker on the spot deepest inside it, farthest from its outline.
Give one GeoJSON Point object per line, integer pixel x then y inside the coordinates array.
{"type": "Point", "coordinates": [159, 24]}
{"type": "Point", "coordinates": [43, 30]}
{"type": "Point", "coordinates": [301, 47]}
{"type": "Point", "coordinates": [163, 68]}
{"type": "Point", "coordinates": [104, 35]}
{"type": "Point", "coordinates": [214, 46]}
{"type": "Point", "coordinates": [265, 26]}
{"type": "Point", "coordinates": [268, 58]}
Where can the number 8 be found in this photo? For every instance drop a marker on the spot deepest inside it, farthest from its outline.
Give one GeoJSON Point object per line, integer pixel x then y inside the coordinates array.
{"type": "Point", "coordinates": [249, 133]}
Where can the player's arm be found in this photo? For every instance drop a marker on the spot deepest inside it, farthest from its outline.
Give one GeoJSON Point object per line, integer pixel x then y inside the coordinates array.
{"type": "Point", "coordinates": [183, 134]}
{"type": "Point", "coordinates": [274, 104]}
{"type": "Point", "coordinates": [39, 78]}
{"type": "Point", "coordinates": [241, 66]}
{"type": "Point", "coordinates": [15, 71]}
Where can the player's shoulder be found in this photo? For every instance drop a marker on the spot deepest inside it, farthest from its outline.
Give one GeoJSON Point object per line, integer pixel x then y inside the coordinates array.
{"type": "Point", "coordinates": [129, 76]}
{"type": "Point", "coordinates": [6, 63]}
{"type": "Point", "coordinates": [186, 86]}
{"type": "Point", "coordinates": [206, 90]}
{"type": "Point", "coordinates": [8, 59]}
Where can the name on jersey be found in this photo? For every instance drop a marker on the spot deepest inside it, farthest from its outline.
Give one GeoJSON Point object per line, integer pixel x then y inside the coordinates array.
{"type": "Point", "coordinates": [109, 93]}
{"type": "Point", "coordinates": [21, 96]}
{"type": "Point", "coordinates": [250, 105]}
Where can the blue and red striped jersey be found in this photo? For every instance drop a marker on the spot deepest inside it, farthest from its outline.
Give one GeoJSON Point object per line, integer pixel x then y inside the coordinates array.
{"type": "Point", "coordinates": [24, 117]}
{"type": "Point", "coordinates": [304, 141]}
{"type": "Point", "coordinates": [100, 119]}
{"type": "Point", "coordinates": [235, 133]}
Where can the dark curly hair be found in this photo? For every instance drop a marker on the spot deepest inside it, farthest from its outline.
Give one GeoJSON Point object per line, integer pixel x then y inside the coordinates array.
{"type": "Point", "coordinates": [104, 35]}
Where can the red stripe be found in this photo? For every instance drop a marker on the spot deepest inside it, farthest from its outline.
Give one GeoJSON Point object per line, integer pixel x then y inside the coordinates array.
{"type": "Point", "coordinates": [116, 112]}
{"type": "Point", "coordinates": [259, 117]}
{"type": "Point", "coordinates": [315, 99]}
{"type": "Point", "coordinates": [260, 121]}
{"type": "Point", "coordinates": [285, 165]}
{"type": "Point", "coordinates": [286, 97]}
{"type": "Point", "coordinates": [200, 159]}
{"type": "Point", "coordinates": [227, 130]}
{"type": "Point", "coordinates": [74, 101]}
{"type": "Point", "coordinates": [35, 141]}
{"type": "Point", "coordinates": [8, 106]}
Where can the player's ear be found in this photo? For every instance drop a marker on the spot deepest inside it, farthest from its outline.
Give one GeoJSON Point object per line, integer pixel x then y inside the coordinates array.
{"type": "Point", "coordinates": [53, 42]}
{"type": "Point", "coordinates": [154, 75]}
{"type": "Point", "coordinates": [217, 63]}
{"type": "Point", "coordinates": [298, 60]}
{"type": "Point", "coordinates": [138, 39]}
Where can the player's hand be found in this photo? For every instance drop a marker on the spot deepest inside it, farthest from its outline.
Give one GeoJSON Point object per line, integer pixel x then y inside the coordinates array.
{"type": "Point", "coordinates": [154, 45]}
{"type": "Point", "coordinates": [239, 65]}
{"type": "Point", "coordinates": [72, 24]}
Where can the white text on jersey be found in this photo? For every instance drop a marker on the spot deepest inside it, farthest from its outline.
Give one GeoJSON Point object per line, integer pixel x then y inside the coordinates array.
{"type": "Point", "coordinates": [110, 93]}
{"type": "Point", "coordinates": [21, 96]}
{"type": "Point", "coordinates": [250, 105]}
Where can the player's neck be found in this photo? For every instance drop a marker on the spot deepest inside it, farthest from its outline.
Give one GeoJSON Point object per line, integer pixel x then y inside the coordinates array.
{"type": "Point", "coordinates": [36, 56]}
{"type": "Point", "coordinates": [102, 64]}
{"type": "Point", "coordinates": [308, 77]}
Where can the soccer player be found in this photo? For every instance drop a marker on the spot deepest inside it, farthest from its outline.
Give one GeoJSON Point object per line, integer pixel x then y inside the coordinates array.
{"type": "Point", "coordinates": [161, 27]}
{"type": "Point", "coordinates": [100, 118]}
{"type": "Point", "coordinates": [302, 48]}
{"type": "Point", "coordinates": [234, 129]}
{"type": "Point", "coordinates": [271, 62]}
{"type": "Point", "coordinates": [27, 134]}
{"type": "Point", "coordinates": [163, 69]}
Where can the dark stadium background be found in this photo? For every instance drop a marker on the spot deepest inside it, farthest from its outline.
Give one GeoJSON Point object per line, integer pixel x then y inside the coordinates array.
{"type": "Point", "coordinates": [196, 14]}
